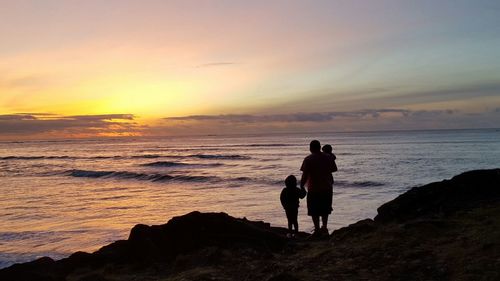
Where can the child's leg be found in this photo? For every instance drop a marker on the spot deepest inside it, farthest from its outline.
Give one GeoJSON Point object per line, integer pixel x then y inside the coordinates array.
{"type": "Point", "coordinates": [295, 220]}
{"type": "Point", "coordinates": [289, 217]}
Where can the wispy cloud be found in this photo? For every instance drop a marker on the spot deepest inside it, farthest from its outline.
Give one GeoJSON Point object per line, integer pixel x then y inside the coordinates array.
{"type": "Point", "coordinates": [213, 64]}
{"type": "Point", "coordinates": [392, 97]}
{"type": "Point", "coordinates": [22, 82]}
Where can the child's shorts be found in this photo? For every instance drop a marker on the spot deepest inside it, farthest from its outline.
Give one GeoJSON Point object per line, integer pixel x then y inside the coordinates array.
{"type": "Point", "coordinates": [292, 214]}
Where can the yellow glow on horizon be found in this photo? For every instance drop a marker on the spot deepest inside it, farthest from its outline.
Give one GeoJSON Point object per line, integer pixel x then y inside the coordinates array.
{"type": "Point", "coordinates": [137, 80]}
{"type": "Point", "coordinates": [111, 94]}
{"type": "Point", "coordinates": [136, 95]}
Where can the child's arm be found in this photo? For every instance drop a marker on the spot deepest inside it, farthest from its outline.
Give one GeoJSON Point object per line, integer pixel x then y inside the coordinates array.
{"type": "Point", "coordinates": [334, 165]}
{"type": "Point", "coordinates": [302, 192]}
{"type": "Point", "coordinates": [283, 198]}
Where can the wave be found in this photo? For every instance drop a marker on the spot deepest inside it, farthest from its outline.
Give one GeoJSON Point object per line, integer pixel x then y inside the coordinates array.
{"type": "Point", "coordinates": [166, 164]}
{"type": "Point", "coordinates": [261, 145]}
{"type": "Point", "coordinates": [221, 156]}
{"type": "Point", "coordinates": [104, 157]}
{"type": "Point", "coordinates": [25, 235]}
{"type": "Point", "coordinates": [141, 156]}
{"type": "Point", "coordinates": [136, 176]}
{"type": "Point", "coordinates": [145, 156]}
{"type": "Point", "coordinates": [358, 184]}
{"type": "Point", "coordinates": [34, 157]}
{"type": "Point", "coordinates": [179, 164]}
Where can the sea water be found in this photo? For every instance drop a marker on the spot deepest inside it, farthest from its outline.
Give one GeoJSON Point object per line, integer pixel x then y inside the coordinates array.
{"type": "Point", "coordinates": [58, 197]}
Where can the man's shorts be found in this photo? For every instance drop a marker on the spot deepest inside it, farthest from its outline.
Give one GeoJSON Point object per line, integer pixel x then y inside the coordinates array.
{"type": "Point", "coordinates": [319, 203]}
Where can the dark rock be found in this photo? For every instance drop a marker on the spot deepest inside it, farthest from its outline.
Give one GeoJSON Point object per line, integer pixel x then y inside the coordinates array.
{"type": "Point", "coordinates": [148, 244]}
{"type": "Point", "coordinates": [283, 277]}
{"type": "Point", "coordinates": [357, 229]}
{"type": "Point", "coordinates": [92, 277]}
{"type": "Point", "coordinates": [443, 198]}
{"type": "Point", "coordinates": [42, 269]}
{"type": "Point", "coordinates": [198, 230]}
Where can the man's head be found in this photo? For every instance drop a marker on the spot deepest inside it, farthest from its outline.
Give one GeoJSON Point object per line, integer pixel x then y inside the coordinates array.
{"type": "Point", "coordinates": [315, 146]}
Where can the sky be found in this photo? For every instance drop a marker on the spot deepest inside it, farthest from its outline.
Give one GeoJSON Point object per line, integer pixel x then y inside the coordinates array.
{"type": "Point", "coordinates": [118, 68]}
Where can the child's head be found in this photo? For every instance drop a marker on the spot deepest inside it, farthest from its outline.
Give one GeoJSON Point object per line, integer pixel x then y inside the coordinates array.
{"type": "Point", "coordinates": [291, 181]}
{"type": "Point", "coordinates": [327, 149]}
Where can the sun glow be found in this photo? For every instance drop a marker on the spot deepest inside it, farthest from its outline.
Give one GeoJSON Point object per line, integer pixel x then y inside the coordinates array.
{"type": "Point", "coordinates": [140, 95]}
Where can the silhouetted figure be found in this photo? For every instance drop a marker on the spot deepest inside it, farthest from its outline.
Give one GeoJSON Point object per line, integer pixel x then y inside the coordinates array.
{"type": "Point", "coordinates": [289, 198]}
{"type": "Point", "coordinates": [328, 150]}
{"type": "Point", "coordinates": [317, 171]}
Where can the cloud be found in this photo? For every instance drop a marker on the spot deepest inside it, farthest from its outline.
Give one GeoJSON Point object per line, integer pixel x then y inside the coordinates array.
{"type": "Point", "coordinates": [449, 94]}
{"type": "Point", "coordinates": [483, 94]}
{"type": "Point", "coordinates": [45, 125]}
{"type": "Point", "coordinates": [24, 82]}
{"type": "Point", "coordinates": [213, 64]}
{"type": "Point", "coordinates": [310, 117]}
{"type": "Point", "coordinates": [333, 121]}
{"type": "Point", "coordinates": [51, 125]}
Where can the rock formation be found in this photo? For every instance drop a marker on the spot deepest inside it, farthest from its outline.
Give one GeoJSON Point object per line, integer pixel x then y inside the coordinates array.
{"type": "Point", "coordinates": [447, 230]}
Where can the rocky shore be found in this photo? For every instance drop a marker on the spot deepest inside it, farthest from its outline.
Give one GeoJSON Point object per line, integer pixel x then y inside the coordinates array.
{"type": "Point", "coordinates": [447, 230]}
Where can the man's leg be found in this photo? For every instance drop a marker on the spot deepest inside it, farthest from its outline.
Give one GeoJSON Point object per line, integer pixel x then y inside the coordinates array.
{"type": "Point", "coordinates": [324, 221]}
{"type": "Point", "coordinates": [316, 222]}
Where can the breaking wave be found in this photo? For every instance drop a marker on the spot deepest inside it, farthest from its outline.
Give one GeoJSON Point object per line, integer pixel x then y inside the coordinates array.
{"type": "Point", "coordinates": [136, 176]}
{"type": "Point", "coordinates": [141, 156]}
{"type": "Point", "coordinates": [221, 156]}
{"type": "Point", "coordinates": [358, 184]}
{"type": "Point", "coordinates": [179, 164]}
{"type": "Point", "coordinates": [35, 157]}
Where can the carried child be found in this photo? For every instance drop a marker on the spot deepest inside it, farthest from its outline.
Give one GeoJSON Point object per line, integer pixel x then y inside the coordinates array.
{"type": "Point", "coordinates": [289, 198]}
{"type": "Point", "coordinates": [328, 150]}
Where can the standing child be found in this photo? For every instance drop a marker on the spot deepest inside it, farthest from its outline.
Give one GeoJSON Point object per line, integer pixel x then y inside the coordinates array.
{"type": "Point", "coordinates": [289, 198]}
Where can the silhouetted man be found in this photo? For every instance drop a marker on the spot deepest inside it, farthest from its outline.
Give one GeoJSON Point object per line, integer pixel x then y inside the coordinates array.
{"type": "Point", "coordinates": [317, 171]}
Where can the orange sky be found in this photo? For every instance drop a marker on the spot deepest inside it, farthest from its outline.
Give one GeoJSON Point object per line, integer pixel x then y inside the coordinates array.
{"type": "Point", "coordinates": [357, 65]}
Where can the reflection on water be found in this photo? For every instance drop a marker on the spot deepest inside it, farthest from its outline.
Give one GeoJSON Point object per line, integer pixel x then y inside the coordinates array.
{"type": "Point", "coordinates": [60, 197]}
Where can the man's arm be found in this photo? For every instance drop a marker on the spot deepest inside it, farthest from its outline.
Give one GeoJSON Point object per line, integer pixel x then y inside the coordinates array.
{"type": "Point", "coordinates": [304, 168]}
{"type": "Point", "coordinates": [303, 180]}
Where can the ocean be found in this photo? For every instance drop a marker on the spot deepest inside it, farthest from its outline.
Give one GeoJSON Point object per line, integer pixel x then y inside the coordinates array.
{"type": "Point", "coordinates": [58, 197]}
